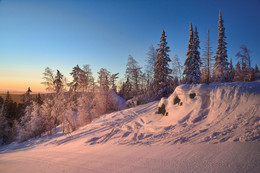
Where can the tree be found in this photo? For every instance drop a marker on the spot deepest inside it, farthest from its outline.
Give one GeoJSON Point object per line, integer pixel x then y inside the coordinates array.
{"type": "Point", "coordinates": [39, 99]}
{"type": "Point", "coordinates": [75, 84]}
{"type": "Point", "coordinates": [58, 82]}
{"type": "Point", "coordinates": [151, 59]}
{"type": "Point", "coordinates": [207, 61]}
{"type": "Point", "coordinates": [177, 68]}
{"type": "Point", "coordinates": [49, 78]}
{"type": "Point", "coordinates": [113, 79]}
{"type": "Point", "coordinates": [27, 98]}
{"type": "Point", "coordinates": [86, 78]}
{"type": "Point", "coordinates": [221, 69]}
{"type": "Point", "coordinates": [162, 78]}
{"type": "Point", "coordinates": [133, 73]}
{"type": "Point", "coordinates": [192, 63]}
{"type": "Point", "coordinates": [85, 106]}
{"type": "Point", "coordinates": [244, 57]}
{"type": "Point", "coordinates": [238, 74]}
{"type": "Point", "coordinates": [3, 128]}
{"type": "Point", "coordinates": [104, 79]}
{"type": "Point", "coordinates": [232, 71]}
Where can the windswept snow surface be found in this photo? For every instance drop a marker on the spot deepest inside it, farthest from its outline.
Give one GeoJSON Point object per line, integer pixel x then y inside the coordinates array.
{"type": "Point", "coordinates": [216, 131]}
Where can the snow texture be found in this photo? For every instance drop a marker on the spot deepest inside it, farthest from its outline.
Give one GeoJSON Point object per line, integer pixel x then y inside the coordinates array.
{"type": "Point", "coordinates": [214, 128]}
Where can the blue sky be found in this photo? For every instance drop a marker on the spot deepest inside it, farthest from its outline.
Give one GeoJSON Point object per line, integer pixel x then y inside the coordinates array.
{"type": "Point", "coordinates": [60, 34]}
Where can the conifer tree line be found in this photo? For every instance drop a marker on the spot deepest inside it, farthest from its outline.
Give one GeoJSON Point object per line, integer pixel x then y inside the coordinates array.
{"type": "Point", "coordinates": [70, 105]}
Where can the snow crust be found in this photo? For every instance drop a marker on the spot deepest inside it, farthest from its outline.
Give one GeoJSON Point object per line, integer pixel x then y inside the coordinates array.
{"type": "Point", "coordinates": [216, 131]}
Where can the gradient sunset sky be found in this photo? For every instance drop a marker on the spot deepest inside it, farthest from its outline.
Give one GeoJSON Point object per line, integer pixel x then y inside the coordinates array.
{"type": "Point", "coordinates": [60, 34]}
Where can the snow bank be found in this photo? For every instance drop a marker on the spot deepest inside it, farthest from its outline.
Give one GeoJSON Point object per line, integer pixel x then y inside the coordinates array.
{"type": "Point", "coordinates": [140, 140]}
{"type": "Point", "coordinates": [229, 107]}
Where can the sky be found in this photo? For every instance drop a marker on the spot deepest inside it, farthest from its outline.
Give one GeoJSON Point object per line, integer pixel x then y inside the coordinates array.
{"type": "Point", "coordinates": [35, 34]}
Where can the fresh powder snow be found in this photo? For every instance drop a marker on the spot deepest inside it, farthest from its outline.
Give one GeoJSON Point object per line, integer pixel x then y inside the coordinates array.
{"type": "Point", "coordinates": [206, 128]}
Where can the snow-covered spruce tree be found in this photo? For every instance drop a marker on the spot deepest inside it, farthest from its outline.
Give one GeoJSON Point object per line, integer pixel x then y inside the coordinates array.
{"type": "Point", "coordinates": [162, 77]}
{"type": "Point", "coordinates": [192, 64]}
{"type": "Point", "coordinates": [133, 73]}
{"type": "Point", "coordinates": [221, 71]}
{"type": "Point", "coordinates": [207, 61]}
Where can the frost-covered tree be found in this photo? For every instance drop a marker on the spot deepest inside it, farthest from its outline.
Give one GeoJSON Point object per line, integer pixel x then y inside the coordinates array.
{"type": "Point", "coordinates": [86, 79]}
{"type": "Point", "coordinates": [125, 89]}
{"type": "Point", "coordinates": [53, 82]}
{"type": "Point", "coordinates": [207, 61]}
{"type": "Point", "coordinates": [232, 71]}
{"type": "Point", "coordinates": [221, 71]}
{"type": "Point", "coordinates": [27, 98]}
{"type": "Point", "coordinates": [162, 77]}
{"type": "Point", "coordinates": [58, 82]}
{"type": "Point", "coordinates": [3, 128]}
{"type": "Point", "coordinates": [39, 99]}
{"type": "Point", "coordinates": [192, 63]}
{"type": "Point", "coordinates": [113, 79]}
{"type": "Point", "coordinates": [104, 79]}
{"type": "Point", "coordinates": [133, 73]}
{"type": "Point", "coordinates": [177, 68]}
{"type": "Point", "coordinates": [48, 77]}
{"type": "Point", "coordinates": [75, 84]}
{"type": "Point", "coordinates": [244, 58]}
{"type": "Point", "coordinates": [85, 106]}
{"type": "Point", "coordinates": [238, 74]}
{"type": "Point", "coordinates": [151, 59]}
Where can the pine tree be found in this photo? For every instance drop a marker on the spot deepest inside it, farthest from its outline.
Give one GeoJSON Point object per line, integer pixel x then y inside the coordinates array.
{"type": "Point", "coordinates": [192, 64]}
{"type": "Point", "coordinates": [221, 69]}
{"type": "Point", "coordinates": [207, 61]}
{"type": "Point", "coordinates": [162, 78]}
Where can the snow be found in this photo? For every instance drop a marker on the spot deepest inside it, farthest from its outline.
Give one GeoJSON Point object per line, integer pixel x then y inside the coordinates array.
{"type": "Point", "coordinates": [216, 131]}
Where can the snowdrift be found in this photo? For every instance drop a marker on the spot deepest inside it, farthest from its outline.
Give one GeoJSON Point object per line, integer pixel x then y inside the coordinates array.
{"type": "Point", "coordinates": [141, 140]}
{"type": "Point", "coordinates": [228, 111]}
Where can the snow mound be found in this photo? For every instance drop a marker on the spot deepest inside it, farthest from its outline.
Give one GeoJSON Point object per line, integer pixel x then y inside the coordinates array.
{"type": "Point", "coordinates": [228, 111]}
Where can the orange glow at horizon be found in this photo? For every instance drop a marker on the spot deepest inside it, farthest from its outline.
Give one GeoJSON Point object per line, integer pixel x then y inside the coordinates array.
{"type": "Point", "coordinates": [21, 86]}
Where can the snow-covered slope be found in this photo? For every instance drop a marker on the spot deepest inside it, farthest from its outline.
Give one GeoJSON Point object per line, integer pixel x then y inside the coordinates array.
{"type": "Point", "coordinates": [201, 134]}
